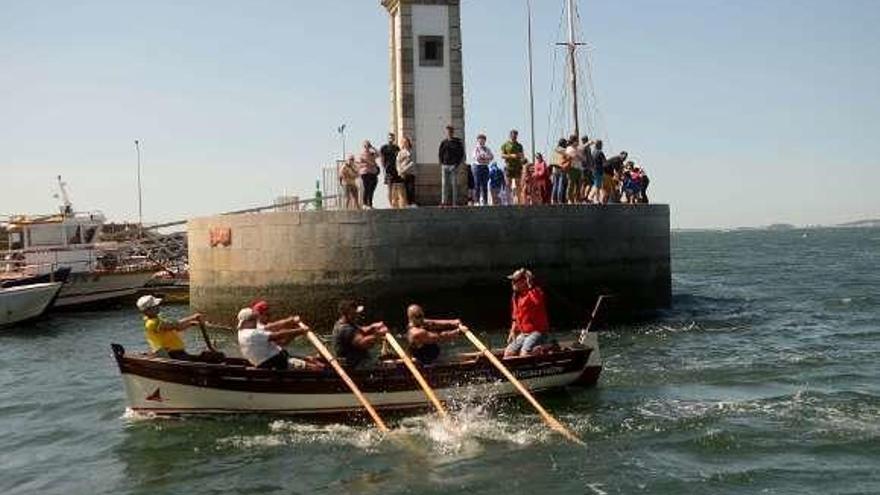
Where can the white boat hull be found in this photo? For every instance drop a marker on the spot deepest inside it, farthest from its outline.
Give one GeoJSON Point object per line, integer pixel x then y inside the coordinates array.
{"type": "Point", "coordinates": [23, 303]}
{"type": "Point", "coordinates": [155, 396]}
{"type": "Point", "coordinates": [85, 288]}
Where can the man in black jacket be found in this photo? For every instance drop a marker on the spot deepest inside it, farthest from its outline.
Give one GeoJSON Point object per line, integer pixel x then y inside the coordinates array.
{"type": "Point", "coordinates": [451, 156]}
{"type": "Point", "coordinates": [389, 164]}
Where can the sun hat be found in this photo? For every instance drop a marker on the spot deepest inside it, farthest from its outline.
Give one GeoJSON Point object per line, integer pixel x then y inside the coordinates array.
{"type": "Point", "coordinates": [148, 302]}
{"type": "Point", "coordinates": [246, 314]}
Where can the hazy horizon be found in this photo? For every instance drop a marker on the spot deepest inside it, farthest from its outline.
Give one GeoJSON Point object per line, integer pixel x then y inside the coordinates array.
{"type": "Point", "coordinates": [744, 114]}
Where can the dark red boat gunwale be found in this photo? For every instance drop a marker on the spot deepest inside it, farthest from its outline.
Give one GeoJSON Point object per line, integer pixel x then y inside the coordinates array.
{"type": "Point", "coordinates": [389, 377]}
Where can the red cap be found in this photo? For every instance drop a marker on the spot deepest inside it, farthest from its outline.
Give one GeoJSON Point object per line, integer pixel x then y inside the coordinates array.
{"type": "Point", "coordinates": [260, 307]}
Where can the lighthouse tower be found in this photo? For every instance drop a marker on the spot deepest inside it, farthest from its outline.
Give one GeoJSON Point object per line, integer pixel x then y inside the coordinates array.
{"type": "Point", "coordinates": [427, 93]}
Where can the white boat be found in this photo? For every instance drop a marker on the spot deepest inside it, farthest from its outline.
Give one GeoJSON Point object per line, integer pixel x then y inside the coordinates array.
{"type": "Point", "coordinates": [23, 303]}
{"type": "Point", "coordinates": [218, 384]}
{"type": "Point", "coordinates": [42, 244]}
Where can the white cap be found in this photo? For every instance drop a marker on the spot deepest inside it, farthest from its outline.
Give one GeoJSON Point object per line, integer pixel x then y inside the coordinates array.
{"type": "Point", "coordinates": [246, 314]}
{"type": "Point", "coordinates": [522, 272]}
{"type": "Point", "coordinates": [147, 302]}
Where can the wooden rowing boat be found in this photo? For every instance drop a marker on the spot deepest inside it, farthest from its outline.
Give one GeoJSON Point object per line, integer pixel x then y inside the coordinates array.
{"type": "Point", "coordinates": [231, 385]}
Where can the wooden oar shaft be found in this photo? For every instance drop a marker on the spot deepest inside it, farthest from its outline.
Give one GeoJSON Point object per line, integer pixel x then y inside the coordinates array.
{"type": "Point", "coordinates": [205, 336]}
{"type": "Point", "coordinates": [347, 379]}
{"type": "Point", "coordinates": [429, 392]}
{"type": "Point", "coordinates": [550, 420]}
{"type": "Point", "coordinates": [595, 311]}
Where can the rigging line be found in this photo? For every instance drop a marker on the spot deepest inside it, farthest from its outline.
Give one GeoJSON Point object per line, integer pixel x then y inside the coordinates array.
{"type": "Point", "coordinates": [550, 99]}
{"type": "Point", "coordinates": [590, 102]}
{"type": "Point", "coordinates": [553, 113]}
{"type": "Point", "coordinates": [600, 117]}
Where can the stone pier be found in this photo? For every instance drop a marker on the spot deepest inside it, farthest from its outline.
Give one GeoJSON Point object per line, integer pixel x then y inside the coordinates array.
{"type": "Point", "coordinates": [453, 261]}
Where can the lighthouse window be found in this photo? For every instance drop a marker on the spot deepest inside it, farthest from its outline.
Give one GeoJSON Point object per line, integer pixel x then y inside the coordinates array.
{"type": "Point", "coordinates": [431, 51]}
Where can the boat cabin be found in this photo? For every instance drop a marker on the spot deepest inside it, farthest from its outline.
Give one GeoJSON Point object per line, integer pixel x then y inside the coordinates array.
{"type": "Point", "coordinates": [42, 244]}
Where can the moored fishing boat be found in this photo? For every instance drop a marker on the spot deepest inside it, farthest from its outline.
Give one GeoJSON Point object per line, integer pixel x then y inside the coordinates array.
{"type": "Point", "coordinates": [24, 302]}
{"type": "Point", "coordinates": [71, 243]}
{"type": "Point", "coordinates": [231, 385]}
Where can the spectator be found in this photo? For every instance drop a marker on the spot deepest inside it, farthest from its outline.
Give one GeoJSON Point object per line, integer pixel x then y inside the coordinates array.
{"type": "Point", "coordinates": [615, 163]}
{"type": "Point", "coordinates": [528, 184]}
{"type": "Point", "coordinates": [560, 173]}
{"type": "Point", "coordinates": [393, 181]}
{"type": "Point", "coordinates": [482, 158]}
{"type": "Point", "coordinates": [496, 183]}
{"type": "Point", "coordinates": [631, 183]}
{"type": "Point", "coordinates": [407, 171]}
{"type": "Point", "coordinates": [542, 180]}
{"type": "Point", "coordinates": [643, 197]}
{"type": "Point", "coordinates": [586, 160]}
{"type": "Point", "coordinates": [512, 153]}
{"type": "Point", "coordinates": [451, 155]}
{"type": "Point", "coordinates": [574, 171]}
{"type": "Point", "coordinates": [369, 173]}
{"type": "Point", "coordinates": [348, 177]}
{"type": "Point", "coordinates": [598, 193]}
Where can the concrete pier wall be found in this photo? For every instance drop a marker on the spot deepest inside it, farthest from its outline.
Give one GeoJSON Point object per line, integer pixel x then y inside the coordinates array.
{"type": "Point", "coordinates": [453, 261]}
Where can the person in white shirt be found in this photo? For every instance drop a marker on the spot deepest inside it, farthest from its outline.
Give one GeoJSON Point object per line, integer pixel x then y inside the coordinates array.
{"type": "Point", "coordinates": [407, 170]}
{"type": "Point", "coordinates": [480, 169]}
{"type": "Point", "coordinates": [263, 345]}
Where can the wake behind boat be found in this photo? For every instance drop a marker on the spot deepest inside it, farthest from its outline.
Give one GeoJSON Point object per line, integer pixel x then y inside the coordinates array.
{"type": "Point", "coordinates": [232, 385]}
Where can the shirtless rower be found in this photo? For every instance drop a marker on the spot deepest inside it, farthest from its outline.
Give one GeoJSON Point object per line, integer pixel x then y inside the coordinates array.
{"type": "Point", "coordinates": [425, 335]}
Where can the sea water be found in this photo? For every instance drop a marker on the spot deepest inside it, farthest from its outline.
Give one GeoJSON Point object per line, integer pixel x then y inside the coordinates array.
{"type": "Point", "coordinates": [763, 378]}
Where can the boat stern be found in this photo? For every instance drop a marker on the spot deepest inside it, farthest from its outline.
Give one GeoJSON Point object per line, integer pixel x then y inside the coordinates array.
{"type": "Point", "coordinates": [590, 375]}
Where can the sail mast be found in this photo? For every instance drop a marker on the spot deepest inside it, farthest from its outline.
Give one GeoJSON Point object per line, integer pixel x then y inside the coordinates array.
{"type": "Point", "coordinates": [531, 81]}
{"type": "Point", "coordinates": [572, 48]}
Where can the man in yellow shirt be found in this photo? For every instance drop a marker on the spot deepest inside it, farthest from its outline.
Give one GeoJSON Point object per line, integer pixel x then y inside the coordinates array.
{"type": "Point", "coordinates": [161, 334]}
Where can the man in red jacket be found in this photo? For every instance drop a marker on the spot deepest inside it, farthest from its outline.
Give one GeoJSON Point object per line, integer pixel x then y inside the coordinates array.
{"type": "Point", "coordinates": [530, 325]}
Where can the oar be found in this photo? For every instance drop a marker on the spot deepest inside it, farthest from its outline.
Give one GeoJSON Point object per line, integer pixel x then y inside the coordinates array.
{"type": "Point", "coordinates": [595, 311]}
{"type": "Point", "coordinates": [417, 375]}
{"type": "Point", "coordinates": [205, 336]}
{"type": "Point", "coordinates": [550, 420]}
{"type": "Point", "coordinates": [347, 379]}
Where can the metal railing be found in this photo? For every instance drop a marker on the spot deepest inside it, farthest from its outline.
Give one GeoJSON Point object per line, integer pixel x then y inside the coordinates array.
{"type": "Point", "coordinates": [316, 203]}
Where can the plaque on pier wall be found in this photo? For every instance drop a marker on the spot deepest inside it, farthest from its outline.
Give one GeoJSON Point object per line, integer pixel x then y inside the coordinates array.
{"type": "Point", "coordinates": [221, 236]}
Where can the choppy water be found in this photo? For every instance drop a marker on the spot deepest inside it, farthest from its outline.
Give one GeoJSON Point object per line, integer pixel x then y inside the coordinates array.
{"type": "Point", "coordinates": [762, 379]}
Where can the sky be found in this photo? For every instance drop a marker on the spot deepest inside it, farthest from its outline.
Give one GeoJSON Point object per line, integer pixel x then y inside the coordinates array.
{"type": "Point", "coordinates": [744, 113]}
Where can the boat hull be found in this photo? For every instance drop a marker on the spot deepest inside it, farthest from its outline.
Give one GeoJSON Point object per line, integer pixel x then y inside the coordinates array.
{"type": "Point", "coordinates": [166, 386]}
{"type": "Point", "coordinates": [92, 287]}
{"type": "Point", "coordinates": [18, 304]}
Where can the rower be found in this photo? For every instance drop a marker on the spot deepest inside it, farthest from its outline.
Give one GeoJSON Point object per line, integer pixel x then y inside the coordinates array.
{"type": "Point", "coordinates": [530, 325]}
{"type": "Point", "coordinates": [425, 335]}
{"type": "Point", "coordinates": [262, 344]}
{"type": "Point", "coordinates": [261, 310]}
{"type": "Point", "coordinates": [352, 342]}
{"type": "Point", "coordinates": [162, 334]}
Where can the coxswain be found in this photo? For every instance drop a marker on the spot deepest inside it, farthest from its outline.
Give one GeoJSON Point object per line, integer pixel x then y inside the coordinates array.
{"type": "Point", "coordinates": [163, 334]}
{"type": "Point", "coordinates": [530, 325]}
{"type": "Point", "coordinates": [425, 335]}
{"type": "Point", "coordinates": [352, 342]}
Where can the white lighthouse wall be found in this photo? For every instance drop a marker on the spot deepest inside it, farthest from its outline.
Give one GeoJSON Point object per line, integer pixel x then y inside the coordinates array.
{"type": "Point", "coordinates": [397, 69]}
{"type": "Point", "coordinates": [433, 100]}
